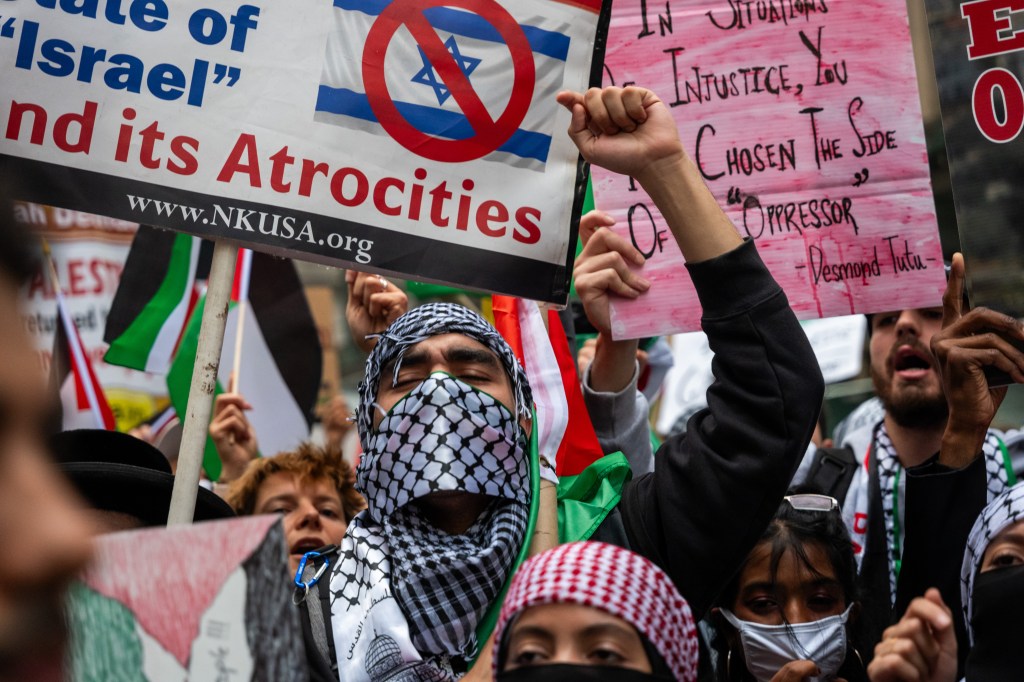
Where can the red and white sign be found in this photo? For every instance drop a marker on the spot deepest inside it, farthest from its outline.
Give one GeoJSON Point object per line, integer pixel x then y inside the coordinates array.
{"type": "Point", "coordinates": [410, 137]}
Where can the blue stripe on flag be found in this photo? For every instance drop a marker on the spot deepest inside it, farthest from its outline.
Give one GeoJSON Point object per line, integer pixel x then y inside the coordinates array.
{"type": "Point", "coordinates": [470, 25]}
{"type": "Point", "coordinates": [448, 124]}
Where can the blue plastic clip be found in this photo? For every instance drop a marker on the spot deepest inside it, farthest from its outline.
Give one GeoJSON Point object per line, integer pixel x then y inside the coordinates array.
{"type": "Point", "coordinates": [302, 567]}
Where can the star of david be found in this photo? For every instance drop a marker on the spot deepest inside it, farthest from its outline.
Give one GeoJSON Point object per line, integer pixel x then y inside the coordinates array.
{"type": "Point", "coordinates": [427, 76]}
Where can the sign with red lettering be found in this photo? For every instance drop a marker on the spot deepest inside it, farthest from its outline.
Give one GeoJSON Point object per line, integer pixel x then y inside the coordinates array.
{"type": "Point", "coordinates": [88, 254]}
{"type": "Point", "coordinates": [418, 138]}
{"type": "Point", "coordinates": [804, 120]}
{"type": "Point", "coordinates": [979, 66]}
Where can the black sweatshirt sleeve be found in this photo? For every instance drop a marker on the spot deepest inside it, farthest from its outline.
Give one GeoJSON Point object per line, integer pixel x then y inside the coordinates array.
{"type": "Point", "coordinates": [715, 488]}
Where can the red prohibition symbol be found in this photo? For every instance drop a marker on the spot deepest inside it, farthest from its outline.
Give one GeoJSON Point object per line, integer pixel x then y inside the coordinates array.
{"type": "Point", "coordinates": [489, 134]}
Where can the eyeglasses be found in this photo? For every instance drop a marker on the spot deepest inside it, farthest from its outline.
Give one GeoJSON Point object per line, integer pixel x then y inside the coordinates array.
{"type": "Point", "coordinates": [811, 502]}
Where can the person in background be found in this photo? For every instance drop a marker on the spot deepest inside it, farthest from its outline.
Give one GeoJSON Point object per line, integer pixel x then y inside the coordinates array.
{"type": "Point", "coordinates": [592, 611]}
{"type": "Point", "coordinates": [922, 646]}
{"type": "Point", "coordinates": [926, 366]}
{"type": "Point", "coordinates": [311, 486]}
{"type": "Point", "coordinates": [126, 481]}
{"type": "Point", "coordinates": [786, 614]}
{"type": "Point", "coordinates": [45, 535]}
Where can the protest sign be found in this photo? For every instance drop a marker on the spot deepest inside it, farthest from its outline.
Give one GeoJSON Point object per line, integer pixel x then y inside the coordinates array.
{"type": "Point", "coordinates": [838, 344]}
{"type": "Point", "coordinates": [206, 602]}
{"type": "Point", "coordinates": [979, 65]}
{"type": "Point", "coordinates": [88, 253]}
{"type": "Point", "coordinates": [411, 137]}
{"type": "Point", "coordinates": [803, 118]}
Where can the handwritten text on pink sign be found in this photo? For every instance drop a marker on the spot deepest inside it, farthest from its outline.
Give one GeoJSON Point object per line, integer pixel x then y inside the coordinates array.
{"type": "Point", "coordinates": [803, 117]}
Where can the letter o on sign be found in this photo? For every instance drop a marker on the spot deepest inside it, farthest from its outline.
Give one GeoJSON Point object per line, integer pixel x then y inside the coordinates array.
{"type": "Point", "coordinates": [983, 102]}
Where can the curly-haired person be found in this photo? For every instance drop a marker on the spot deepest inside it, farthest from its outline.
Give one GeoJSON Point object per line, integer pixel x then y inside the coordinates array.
{"type": "Point", "coordinates": [311, 486]}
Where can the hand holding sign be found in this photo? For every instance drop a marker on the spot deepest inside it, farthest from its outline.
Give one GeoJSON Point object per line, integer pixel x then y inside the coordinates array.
{"type": "Point", "coordinates": [605, 269]}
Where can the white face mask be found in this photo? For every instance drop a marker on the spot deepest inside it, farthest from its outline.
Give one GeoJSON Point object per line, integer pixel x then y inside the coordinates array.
{"type": "Point", "coordinates": [767, 648]}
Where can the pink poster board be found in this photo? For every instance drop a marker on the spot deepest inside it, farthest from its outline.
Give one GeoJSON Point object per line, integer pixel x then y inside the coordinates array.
{"type": "Point", "coordinates": [805, 121]}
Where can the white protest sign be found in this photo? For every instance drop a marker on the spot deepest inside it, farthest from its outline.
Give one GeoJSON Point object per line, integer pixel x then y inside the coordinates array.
{"type": "Point", "coordinates": [838, 344]}
{"type": "Point", "coordinates": [411, 137]}
{"type": "Point", "coordinates": [88, 253]}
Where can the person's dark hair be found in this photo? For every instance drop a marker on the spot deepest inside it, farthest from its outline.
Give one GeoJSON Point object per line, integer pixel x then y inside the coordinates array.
{"type": "Point", "coordinates": [793, 530]}
{"type": "Point", "coordinates": [17, 262]}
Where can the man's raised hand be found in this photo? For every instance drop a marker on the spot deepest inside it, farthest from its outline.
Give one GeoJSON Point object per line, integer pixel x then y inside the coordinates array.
{"type": "Point", "coordinates": [373, 304]}
{"type": "Point", "coordinates": [968, 345]}
{"type": "Point", "coordinates": [626, 130]}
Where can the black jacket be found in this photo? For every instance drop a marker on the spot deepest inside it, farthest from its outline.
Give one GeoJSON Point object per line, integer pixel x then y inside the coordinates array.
{"type": "Point", "coordinates": [715, 488]}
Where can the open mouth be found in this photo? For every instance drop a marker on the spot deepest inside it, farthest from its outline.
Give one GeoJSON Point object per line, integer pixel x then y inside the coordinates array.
{"type": "Point", "coordinates": [910, 362]}
{"type": "Point", "coordinates": [307, 545]}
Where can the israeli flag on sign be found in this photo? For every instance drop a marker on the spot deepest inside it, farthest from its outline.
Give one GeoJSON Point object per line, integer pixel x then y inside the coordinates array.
{"type": "Point", "coordinates": [424, 100]}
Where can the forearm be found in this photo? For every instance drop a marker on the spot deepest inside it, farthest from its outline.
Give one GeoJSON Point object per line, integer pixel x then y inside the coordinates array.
{"type": "Point", "coordinates": [620, 421]}
{"type": "Point", "coordinates": [692, 213]}
{"type": "Point", "coordinates": [717, 486]}
{"type": "Point", "coordinates": [961, 444]}
{"type": "Point", "coordinates": [614, 364]}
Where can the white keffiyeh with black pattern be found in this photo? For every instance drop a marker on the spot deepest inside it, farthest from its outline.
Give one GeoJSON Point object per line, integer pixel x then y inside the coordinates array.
{"type": "Point", "coordinates": [1001, 513]}
{"type": "Point", "coordinates": [407, 597]}
{"type": "Point", "coordinates": [892, 485]}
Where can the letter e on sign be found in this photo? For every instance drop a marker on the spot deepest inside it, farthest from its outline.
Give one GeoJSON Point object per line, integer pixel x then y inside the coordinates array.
{"type": "Point", "coordinates": [991, 28]}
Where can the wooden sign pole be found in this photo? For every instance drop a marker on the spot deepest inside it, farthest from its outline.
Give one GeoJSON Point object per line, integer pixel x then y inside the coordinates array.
{"type": "Point", "coordinates": [204, 384]}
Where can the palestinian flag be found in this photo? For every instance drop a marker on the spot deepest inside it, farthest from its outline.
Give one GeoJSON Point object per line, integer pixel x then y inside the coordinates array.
{"type": "Point", "coordinates": [280, 357]}
{"type": "Point", "coordinates": [83, 405]}
{"type": "Point", "coordinates": [589, 484]}
{"type": "Point", "coordinates": [153, 300]}
{"type": "Point", "coordinates": [190, 602]}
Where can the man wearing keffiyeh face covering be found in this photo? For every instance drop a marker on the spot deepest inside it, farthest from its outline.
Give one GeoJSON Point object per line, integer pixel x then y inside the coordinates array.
{"type": "Point", "coordinates": [444, 419]}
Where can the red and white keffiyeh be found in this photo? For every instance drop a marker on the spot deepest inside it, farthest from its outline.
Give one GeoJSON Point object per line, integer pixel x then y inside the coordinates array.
{"type": "Point", "coordinates": [617, 581]}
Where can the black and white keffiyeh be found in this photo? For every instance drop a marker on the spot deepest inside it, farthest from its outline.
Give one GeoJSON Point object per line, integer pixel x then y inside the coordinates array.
{"type": "Point", "coordinates": [892, 485]}
{"type": "Point", "coordinates": [1001, 513]}
{"type": "Point", "coordinates": [406, 596]}
{"type": "Point", "coordinates": [420, 324]}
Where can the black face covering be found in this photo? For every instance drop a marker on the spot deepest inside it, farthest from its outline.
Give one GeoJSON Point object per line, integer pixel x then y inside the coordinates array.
{"type": "Point", "coordinates": [998, 603]}
{"type": "Point", "coordinates": [584, 673]}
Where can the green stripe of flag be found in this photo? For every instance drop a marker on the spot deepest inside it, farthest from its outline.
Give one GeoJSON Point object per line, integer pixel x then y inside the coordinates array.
{"type": "Point", "coordinates": [179, 380]}
{"type": "Point", "coordinates": [135, 346]}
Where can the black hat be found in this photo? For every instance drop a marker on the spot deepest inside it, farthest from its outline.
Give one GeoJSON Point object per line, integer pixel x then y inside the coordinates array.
{"type": "Point", "coordinates": [120, 473]}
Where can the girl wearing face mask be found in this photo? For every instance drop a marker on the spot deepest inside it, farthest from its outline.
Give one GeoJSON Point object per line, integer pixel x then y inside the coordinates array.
{"type": "Point", "coordinates": [923, 646]}
{"type": "Point", "coordinates": [785, 615]}
{"type": "Point", "coordinates": [591, 611]}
